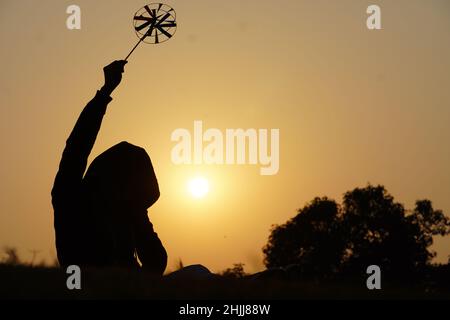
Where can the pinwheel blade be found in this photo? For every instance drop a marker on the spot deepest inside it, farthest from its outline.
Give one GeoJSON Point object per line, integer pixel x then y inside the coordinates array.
{"type": "Point", "coordinates": [142, 26]}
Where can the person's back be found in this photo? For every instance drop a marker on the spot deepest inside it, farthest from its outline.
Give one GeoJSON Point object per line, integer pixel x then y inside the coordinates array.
{"type": "Point", "coordinates": [100, 218]}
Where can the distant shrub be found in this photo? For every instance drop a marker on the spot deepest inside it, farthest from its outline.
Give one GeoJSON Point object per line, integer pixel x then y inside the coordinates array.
{"type": "Point", "coordinates": [237, 271]}
{"type": "Point", "coordinates": [12, 257]}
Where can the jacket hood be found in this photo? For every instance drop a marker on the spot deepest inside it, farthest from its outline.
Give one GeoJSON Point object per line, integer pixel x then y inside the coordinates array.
{"type": "Point", "coordinates": [124, 171]}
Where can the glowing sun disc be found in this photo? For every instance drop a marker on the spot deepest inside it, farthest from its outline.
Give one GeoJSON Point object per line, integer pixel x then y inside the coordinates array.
{"type": "Point", "coordinates": [198, 187]}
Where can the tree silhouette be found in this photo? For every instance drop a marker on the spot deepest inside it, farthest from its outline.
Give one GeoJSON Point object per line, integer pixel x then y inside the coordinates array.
{"type": "Point", "coordinates": [310, 240]}
{"type": "Point", "coordinates": [377, 231]}
{"type": "Point", "coordinates": [369, 228]}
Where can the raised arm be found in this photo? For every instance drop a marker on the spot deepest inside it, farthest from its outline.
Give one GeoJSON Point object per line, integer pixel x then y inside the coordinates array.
{"type": "Point", "coordinates": [81, 140]}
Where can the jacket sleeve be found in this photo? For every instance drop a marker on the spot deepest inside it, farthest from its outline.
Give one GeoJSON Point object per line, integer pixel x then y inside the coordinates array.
{"type": "Point", "coordinates": [150, 249]}
{"type": "Point", "coordinates": [67, 185]}
{"type": "Point", "coordinates": [78, 147]}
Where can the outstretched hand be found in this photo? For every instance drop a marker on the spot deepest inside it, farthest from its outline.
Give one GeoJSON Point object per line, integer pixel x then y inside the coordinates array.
{"type": "Point", "coordinates": [113, 75]}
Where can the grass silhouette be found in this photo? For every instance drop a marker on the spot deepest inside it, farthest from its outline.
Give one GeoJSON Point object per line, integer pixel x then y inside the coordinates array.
{"type": "Point", "coordinates": [36, 282]}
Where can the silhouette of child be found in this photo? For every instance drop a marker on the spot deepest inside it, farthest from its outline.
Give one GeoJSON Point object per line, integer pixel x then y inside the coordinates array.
{"type": "Point", "coordinates": [100, 219]}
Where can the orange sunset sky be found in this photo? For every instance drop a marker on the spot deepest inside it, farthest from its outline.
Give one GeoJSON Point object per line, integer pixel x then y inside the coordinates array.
{"type": "Point", "coordinates": [353, 106]}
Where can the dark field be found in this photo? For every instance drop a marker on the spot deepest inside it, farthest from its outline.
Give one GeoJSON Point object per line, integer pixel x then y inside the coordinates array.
{"type": "Point", "coordinates": [22, 282]}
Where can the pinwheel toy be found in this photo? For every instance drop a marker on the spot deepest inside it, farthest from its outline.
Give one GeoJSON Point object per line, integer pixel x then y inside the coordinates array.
{"type": "Point", "coordinates": [154, 23]}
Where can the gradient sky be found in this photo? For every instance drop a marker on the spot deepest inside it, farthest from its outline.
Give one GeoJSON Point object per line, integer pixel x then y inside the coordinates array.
{"type": "Point", "coordinates": [353, 106]}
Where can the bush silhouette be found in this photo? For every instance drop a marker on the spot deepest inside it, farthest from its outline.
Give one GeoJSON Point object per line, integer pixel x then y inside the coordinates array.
{"type": "Point", "coordinates": [237, 271]}
{"type": "Point", "coordinates": [12, 257]}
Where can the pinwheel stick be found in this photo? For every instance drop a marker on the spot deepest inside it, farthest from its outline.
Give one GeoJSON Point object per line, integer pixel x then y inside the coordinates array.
{"type": "Point", "coordinates": [139, 42]}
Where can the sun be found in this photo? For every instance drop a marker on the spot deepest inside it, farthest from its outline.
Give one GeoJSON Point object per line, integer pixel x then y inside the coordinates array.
{"type": "Point", "coordinates": [198, 187]}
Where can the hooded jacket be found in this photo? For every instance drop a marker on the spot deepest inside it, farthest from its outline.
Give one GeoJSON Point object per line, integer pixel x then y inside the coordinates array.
{"type": "Point", "coordinates": [100, 218]}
